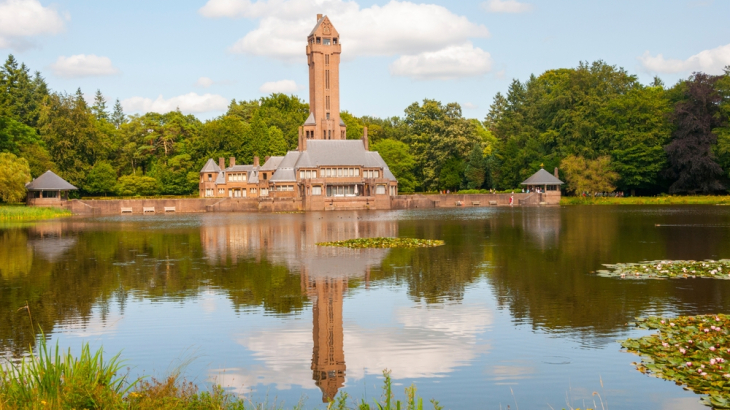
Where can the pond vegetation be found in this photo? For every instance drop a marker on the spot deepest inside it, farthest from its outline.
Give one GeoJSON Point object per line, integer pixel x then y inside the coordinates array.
{"type": "Point", "coordinates": [385, 243]}
{"type": "Point", "coordinates": [693, 351]}
{"type": "Point", "coordinates": [649, 200]}
{"type": "Point", "coordinates": [25, 213]}
{"type": "Point", "coordinates": [669, 270]}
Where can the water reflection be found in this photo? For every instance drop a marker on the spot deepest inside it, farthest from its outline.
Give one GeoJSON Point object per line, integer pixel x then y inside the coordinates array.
{"type": "Point", "coordinates": [425, 314]}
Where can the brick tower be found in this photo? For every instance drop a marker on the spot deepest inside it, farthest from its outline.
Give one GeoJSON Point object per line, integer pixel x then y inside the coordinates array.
{"type": "Point", "coordinates": [323, 58]}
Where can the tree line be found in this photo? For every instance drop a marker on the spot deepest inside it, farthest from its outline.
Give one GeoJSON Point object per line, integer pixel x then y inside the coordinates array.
{"type": "Point", "coordinates": [602, 128]}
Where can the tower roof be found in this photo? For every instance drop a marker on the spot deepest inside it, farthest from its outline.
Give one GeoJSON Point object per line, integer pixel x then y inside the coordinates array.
{"type": "Point", "coordinates": [310, 120]}
{"type": "Point", "coordinates": [324, 27]}
{"type": "Point", "coordinates": [211, 166]}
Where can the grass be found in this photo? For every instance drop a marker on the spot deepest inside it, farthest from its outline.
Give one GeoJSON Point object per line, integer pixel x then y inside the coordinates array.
{"type": "Point", "coordinates": [50, 379]}
{"type": "Point", "coordinates": [692, 351]}
{"type": "Point", "coordinates": [381, 242]}
{"type": "Point", "coordinates": [648, 200]}
{"type": "Point", "coordinates": [20, 213]}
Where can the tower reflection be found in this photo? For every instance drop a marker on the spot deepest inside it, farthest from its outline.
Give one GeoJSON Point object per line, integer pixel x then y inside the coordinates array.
{"type": "Point", "coordinates": [325, 272]}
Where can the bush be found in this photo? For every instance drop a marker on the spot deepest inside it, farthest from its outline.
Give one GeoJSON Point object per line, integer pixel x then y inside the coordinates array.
{"type": "Point", "coordinates": [131, 185]}
{"type": "Point", "coordinates": [14, 174]}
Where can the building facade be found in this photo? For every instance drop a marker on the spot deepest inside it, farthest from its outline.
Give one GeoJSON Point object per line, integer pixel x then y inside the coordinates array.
{"type": "Point", "coordinates": [327, 171]}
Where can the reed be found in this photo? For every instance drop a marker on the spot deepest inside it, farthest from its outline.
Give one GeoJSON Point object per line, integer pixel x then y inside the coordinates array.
{"type": "Point", "coordinates": [649, 200]}
{"type": "Point", "coordinates": [20, 213]}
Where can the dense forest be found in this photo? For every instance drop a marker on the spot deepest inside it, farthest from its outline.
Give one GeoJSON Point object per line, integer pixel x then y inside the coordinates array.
{"type": "Point", "coordinates": [602, 128]}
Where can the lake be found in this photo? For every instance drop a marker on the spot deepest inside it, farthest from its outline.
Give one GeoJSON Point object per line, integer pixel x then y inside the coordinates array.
{"type": "Point", "coordinates": [508, 312]}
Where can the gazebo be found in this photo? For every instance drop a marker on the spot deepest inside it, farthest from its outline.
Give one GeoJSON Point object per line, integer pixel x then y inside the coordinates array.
{"type": "Point", "coordinates": [48, 190]}
{"type": "Point", "coordinates": [543, 180]}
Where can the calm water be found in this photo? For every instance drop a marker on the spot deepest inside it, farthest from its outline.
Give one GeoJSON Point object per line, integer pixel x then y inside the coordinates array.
{"type": "Point", "coordinates": [507, 312]}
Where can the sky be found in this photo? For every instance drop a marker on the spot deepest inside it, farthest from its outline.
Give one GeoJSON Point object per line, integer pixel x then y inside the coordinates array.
{"type": "Point", "coordinates": [198, 55]}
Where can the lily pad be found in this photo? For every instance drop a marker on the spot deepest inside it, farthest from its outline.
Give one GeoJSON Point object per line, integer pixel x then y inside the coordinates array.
{"type": "Point", "coordinates": [693, 351]}
{"type": "Point", "coordinates": [381, 242]}
{"type": "Point", "coordinates": [669, 270]}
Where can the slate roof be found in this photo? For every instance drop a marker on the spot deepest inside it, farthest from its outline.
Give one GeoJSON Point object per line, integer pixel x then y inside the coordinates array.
{"type": "Point", "coordinates": [318, 23]}
{"type": "Point", "coordinates": [272, 163]}
{"type": "Point", "coordinates": [542, 177]}
{"type": "Point", "coordinates": [211, 166]}
{"type": "Point", "coordinates": [285, 171]}
{"type": "Point", "coordinates": [221, 178]}
{"type": "Point", "coordinates": [310, 120]}
{"type": "Point", "coordinates": [342, 123]}
{"type": "Point", "coordinates": [49, 181]}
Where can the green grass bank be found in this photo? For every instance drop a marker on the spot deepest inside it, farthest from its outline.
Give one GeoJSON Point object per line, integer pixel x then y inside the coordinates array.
{"type": "Point", "coordinates": [22, 213]}
{"type": "Point", "coordinates": [649, 200]}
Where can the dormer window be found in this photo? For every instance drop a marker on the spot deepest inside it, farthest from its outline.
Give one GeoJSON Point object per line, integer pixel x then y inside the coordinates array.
{"type": "Point", "coordinates": [327, 41]}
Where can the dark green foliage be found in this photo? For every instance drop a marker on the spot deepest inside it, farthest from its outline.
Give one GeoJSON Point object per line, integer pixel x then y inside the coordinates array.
{"type": "Point", "coordinates": [692, 162]}
{"type": "Point", "coordinates": [475, 169]}
{"type": "Point", "coordinates": [102, 179]}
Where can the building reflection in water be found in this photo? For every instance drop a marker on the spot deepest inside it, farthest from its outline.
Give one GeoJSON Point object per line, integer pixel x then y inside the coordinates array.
{"type": "Point", "coordinates": [325, 271]}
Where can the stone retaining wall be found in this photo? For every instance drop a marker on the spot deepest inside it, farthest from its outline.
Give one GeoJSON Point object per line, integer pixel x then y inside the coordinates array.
{"type": "Point", "coordinates": [192, 205]}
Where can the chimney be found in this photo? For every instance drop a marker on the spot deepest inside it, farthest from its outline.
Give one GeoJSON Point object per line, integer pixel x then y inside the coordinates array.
{"type": "Point", "coordinates": [365, 138]}
{"type": "Point", "coordinates": [255, 161]}
{"type": "Point", "coordinates": [319, 17]}
{"type": "Point", "coordinates": [556, 172]}
{"type": "Point", "coordinates": [233, 161]}
{"type": "Point", "coordinates": [222, 163]}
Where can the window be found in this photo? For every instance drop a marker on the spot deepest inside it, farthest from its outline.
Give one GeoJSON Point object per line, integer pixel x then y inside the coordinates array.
{"type": "Point", "coordinates": [221, 192]}
{"type": "Point", "coordinates": [330, 131]}
{"type": "Point", "coordinates": [334, 40]}
{"type": "Point", "coordinates": [264, 176]}
{"type": "Point", "coordinates": [264, 192]}
{"type": "Point", "coordinates": [316, 190]}
{"type": "Point", "coordinates": [339, 172]}
{"type": "Point", "coordinates": [324, 133]}
{"type": "Point", "coordinates": [253, 190]}
{"type": "Point", "coordinates": [327, 79]}
{"type": "Point", "coordinates": [208, 192]}
{"type": "Point", "coordinates": [314, 174]}
{"type": "Point", "coordinates": [327, 41]}
{"type": "Point", "coordinates": [319, 40]}
{"type": "Point", "coordinates": [357, 172]}
{"type": "Point", "coordinates": [352, 172]}
{"type": "Point", "coordinates": [230, 193]}
{"type": "Point", "coordinates": [301, 174]}
{"type": "Point", "coordinates": [210, 177]}
{"type": "Point", "coordinates": [380, 190]}
{"type": "Point", "coordinates": [375, 175]}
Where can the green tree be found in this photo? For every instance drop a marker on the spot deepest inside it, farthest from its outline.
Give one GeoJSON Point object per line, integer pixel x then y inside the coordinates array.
{"type": "Point", "coordinates": [131, 185]}
{"type": "Point", "coordinates": [259, 136]}
{"type": "Point", "coordinates": [118, 118]}
{"type": "Point", "coordinates": [590, 176]}
{"type": "Point", "coordinates": [102, 179]}
{"type": "Point", "coordinates": [14, 174]}
{"type": "Point", "coordinates": [277, 144]}
{"type": "Point", "coordinates": [451, 174]}
{"type": "Point", "coordinates": [99, 107]}
{"type": "Point", "coordinates": [399, 161]}
{"type": "Point", "coordinates": [354, 126]}
{"type": "Point", "coordinates": [475, 168]}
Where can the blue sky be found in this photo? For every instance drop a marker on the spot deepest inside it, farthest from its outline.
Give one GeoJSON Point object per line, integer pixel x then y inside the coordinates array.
{"type": "Point", "coordinates": [156, 55]}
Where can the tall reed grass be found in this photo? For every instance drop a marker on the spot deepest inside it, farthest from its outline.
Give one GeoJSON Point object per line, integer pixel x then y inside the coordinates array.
{"type": "Point", "coordinates": [20, 213]}
{"type": "Point", "coordinates": [649, 200]}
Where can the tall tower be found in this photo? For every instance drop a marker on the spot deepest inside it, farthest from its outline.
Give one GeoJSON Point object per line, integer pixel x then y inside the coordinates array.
{"type": "Point", "coordinates": [323, 58]}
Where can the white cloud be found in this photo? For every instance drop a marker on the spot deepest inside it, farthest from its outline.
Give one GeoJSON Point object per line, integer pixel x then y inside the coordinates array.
{"type": "Point", "coordinates": [709, 61]}
{"type": "Point", "coordinates": [449, 63]}
{"type": "Point", "coordinates": [26, 18]}
{"type": "Point", "coordinates": [187, 103]}
{"type": "Point", "coordinates": [82, 65]}
{"type": "Point", "coordinates": [506, 6]}
{"type": "Point", "coordinates": [469, 106]}
{"type": "Point", "coordinates": [282, 86]}
{"type": "Point", "coordinates": [398, 27]}
{"type": "Point", "coordinates": [204, 82]}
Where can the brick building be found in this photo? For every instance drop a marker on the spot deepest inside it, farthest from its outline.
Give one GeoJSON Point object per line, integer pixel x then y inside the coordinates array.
{"type": "Point", "coordinates": [327, 171]}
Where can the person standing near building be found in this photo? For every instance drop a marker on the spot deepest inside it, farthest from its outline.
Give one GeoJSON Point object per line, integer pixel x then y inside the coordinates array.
{"type": "Point", "coordinates": [512, 198]}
